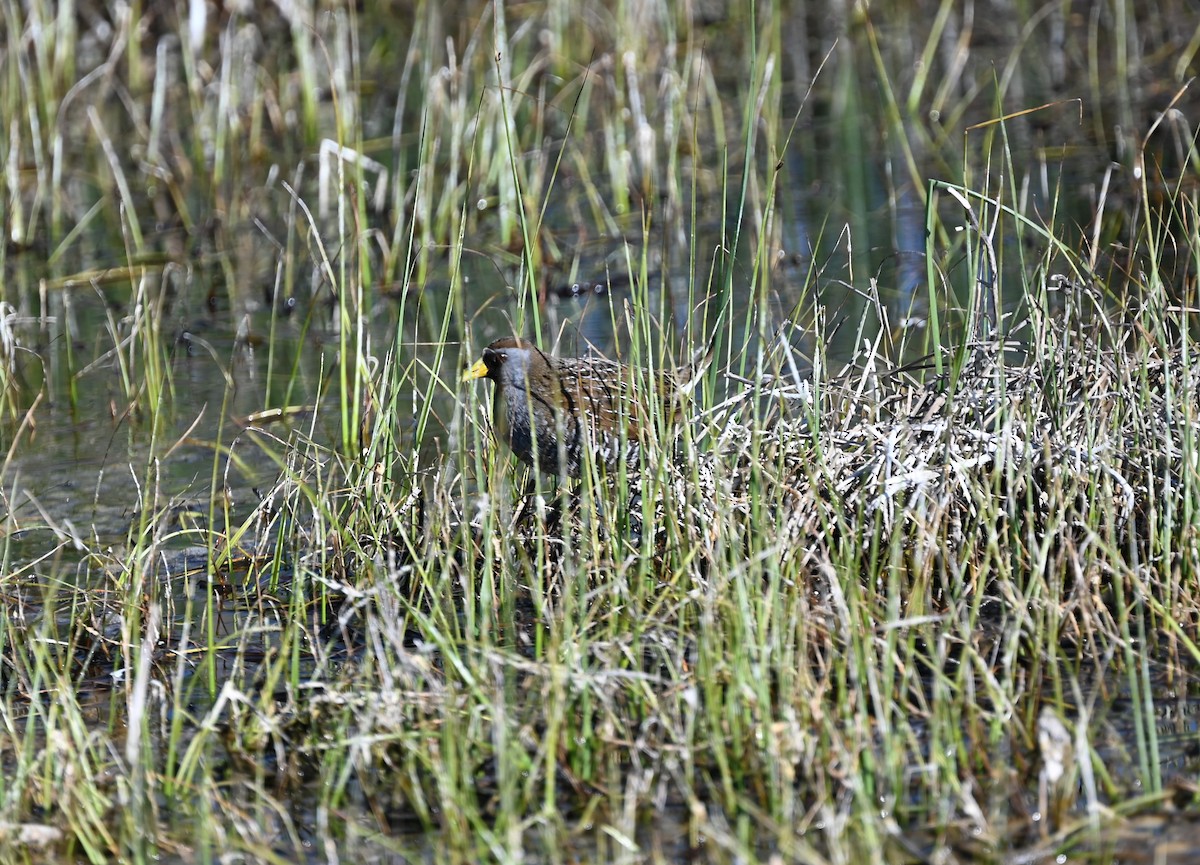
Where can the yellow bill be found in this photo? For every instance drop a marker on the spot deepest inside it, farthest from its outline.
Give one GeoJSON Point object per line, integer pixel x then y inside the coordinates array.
{"type": "Point", "coordinates": [479, 370]}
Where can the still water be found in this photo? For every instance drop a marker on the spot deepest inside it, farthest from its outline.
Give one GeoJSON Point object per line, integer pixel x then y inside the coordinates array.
{"type": "Point", "coordinates": [831, 220]}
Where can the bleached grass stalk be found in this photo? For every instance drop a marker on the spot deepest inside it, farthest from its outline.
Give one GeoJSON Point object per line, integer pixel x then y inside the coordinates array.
{"type": "Point", "coordinates": [840, 621]}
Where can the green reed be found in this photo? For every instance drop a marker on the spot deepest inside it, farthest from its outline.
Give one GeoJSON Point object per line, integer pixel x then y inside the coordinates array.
{"type": "Point", "coordinates": [846, 647]}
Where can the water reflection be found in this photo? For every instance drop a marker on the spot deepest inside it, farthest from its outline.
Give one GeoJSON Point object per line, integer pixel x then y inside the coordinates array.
{"type": "Point", "coordinates": [812, 215]}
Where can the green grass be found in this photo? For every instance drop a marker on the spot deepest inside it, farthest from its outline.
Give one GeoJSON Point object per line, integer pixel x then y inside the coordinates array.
{"type": "Point", "coordinates": [921, 584]}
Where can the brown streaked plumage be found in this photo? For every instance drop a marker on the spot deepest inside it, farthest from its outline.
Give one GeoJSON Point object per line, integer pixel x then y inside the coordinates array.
{"type": "Point", "coordinates": [548, 409]}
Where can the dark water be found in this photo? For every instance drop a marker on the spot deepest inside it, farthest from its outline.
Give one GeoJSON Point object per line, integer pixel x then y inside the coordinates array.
{"type": "Point", "coordinates": [862, 136]}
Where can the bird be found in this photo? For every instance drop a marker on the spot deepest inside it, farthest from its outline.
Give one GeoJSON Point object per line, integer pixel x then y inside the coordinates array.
{"type": "Point", "coordinates": [549, 409]}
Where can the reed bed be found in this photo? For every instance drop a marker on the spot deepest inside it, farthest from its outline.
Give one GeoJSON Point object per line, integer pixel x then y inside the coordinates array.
{"type": "Point", "coordinates": [916, 580]}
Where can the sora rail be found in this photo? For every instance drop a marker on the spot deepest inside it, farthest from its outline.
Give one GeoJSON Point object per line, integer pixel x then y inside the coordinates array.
{"type": "Point", "coordinates": [548, 409]}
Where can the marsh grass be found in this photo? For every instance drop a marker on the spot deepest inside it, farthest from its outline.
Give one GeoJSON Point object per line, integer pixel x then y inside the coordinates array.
{"type": "Point", "coordinates": [885, 595]}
